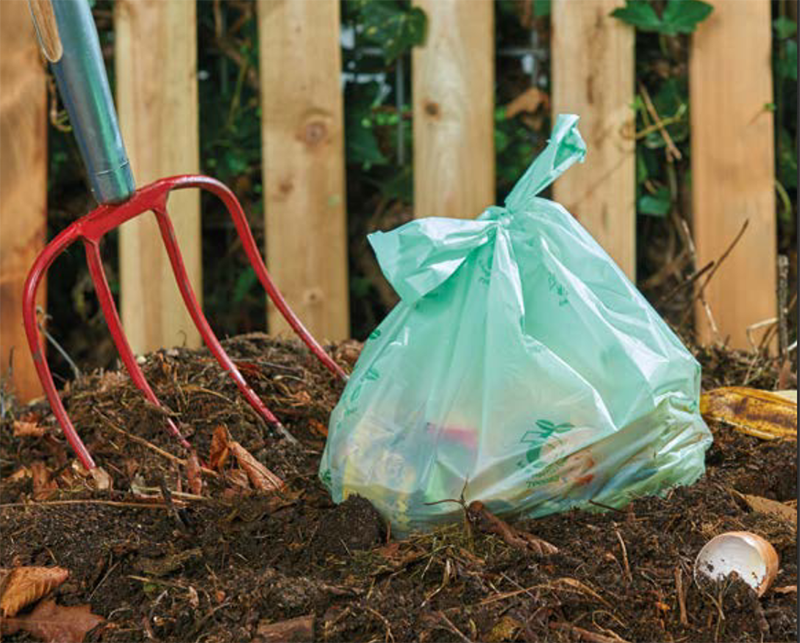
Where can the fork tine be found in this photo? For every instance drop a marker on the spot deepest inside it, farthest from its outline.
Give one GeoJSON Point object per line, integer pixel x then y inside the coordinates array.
{"type": "Point", "coordinates": [200, 321]}
{"type": "Point", "coordinates": [34, 279]}
{"type": "Point", "coordinates": [114, 324]}
{"type": "Point", "coordinates": [254, 256]}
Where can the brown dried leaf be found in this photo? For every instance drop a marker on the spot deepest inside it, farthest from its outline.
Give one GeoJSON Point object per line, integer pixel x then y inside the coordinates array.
{"type": "Point", "coordinates": [43, 486]}
{"type": "Point", "coordinates": [24, 585]}
{"type": "Point", "coordinates": [262, 478]}
{"type": "Point", "coordinates": [786, 589]}
{"type": "Point", "coordinates": [19, 474]}
{"type": "Point", "coordinates": [772, 507]}
{"type": "Point", "coordinates": [56, 623]}
{"type": "Point", "coordinates": [486, 521]}
{"type": "Point", "coordinates": [318, 427]}
{"type": "Point", "coordinates": [24, 429]}
{"type": "Point", "coordinates": [193, 474]}
{"type": "Point", "coordinates": [219, 448]}
{"type": "Point", "coordinates": [300, 630]}
{"type": "Point", "coordinates": [759, 413]}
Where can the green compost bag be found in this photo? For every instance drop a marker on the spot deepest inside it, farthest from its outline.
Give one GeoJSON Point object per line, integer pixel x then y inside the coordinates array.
{"type": "Point", "coordinates": [521, 367]}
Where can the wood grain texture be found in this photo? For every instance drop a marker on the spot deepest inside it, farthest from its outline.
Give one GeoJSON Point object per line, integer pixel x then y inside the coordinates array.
{"type": "Point", "coordinates": [302, 131]}
{"type": "Point", "coordinates": [453, 90]}
{"type": "Point", "coordinates": [593, 74]}
{"type": "Point", "coordinates": [23, 185]}
{"type": "Point", "coordinates": [733, 170]}
{"type": "Point", "coordinates": [157, 101]}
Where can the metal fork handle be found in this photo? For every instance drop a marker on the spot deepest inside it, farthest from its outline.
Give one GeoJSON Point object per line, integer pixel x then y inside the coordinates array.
{"type": "Point", "coordinates": [83, 84]}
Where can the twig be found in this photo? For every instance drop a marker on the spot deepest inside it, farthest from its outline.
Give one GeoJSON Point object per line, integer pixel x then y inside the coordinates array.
{"type": "Point", "coordinates": [586, 635]}
{"type": "Point", "coordinates": [686, 282]}
{"type": "Point", "coordinates": [75, 370]}
{"type": "Point", "coordinates": [673, 153]}
{"type": "Point", "coordinates": [681, 596]}
{"type": "Point", "coordinates": [702, 288]}
{"type": "Point", "coordinates": [453, 628]}
{"type": "Point", "coordinates": [724, 256]}
{"type": "Point", "coordinates": [88, 501]}
{"type": "Point", "coordinates": [624, 556]}
{"type": "Point", "coordinates": [142, 441]}
{"type": "Point", "coordinates": [389, 636]}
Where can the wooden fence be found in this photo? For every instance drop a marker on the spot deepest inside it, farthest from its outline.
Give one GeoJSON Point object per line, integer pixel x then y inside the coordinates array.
{"type": "Point", "coordinates": [453, 81]}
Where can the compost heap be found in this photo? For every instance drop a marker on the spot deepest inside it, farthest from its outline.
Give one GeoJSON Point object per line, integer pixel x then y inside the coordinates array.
{"type": "Point", "coordinates": [232, 562]}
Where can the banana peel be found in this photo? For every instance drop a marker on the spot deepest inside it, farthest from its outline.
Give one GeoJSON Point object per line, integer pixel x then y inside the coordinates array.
{"type": "Point", "coordinates": [762, 414]}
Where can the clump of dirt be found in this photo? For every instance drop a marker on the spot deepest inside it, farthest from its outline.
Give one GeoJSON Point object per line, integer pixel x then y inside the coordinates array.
{"type": "Point", "coordinates": [227, 564]}
{"type": "Point", "coordinates": [354, 525]}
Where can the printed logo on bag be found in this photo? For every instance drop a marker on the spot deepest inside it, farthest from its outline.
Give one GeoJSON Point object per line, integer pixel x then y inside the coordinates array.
{"type": "Point", "coordinates": [557, 288]}
{"type": "Point", "coordinates": [537, 438]}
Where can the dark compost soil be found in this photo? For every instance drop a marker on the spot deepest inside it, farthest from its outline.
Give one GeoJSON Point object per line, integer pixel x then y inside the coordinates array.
{"type": "Point", "coordinates": [217, 568]}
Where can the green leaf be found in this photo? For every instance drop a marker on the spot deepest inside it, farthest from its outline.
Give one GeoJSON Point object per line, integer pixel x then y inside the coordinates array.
{"type": "Point", "coordinates": [392, 26]}
{"type": "Point", "coordinates": [786, 65]}
{"type": "Point", "coordinates": [244, 283]}
{"type": "Point", "coordinates": [361, 144]}
{"type": "Point", "coordinates": [680, 16]}
{"type": "Point", "coordinates": [683, 16]}
{"type": "Point", "coordinates": [784, 27]}
{"type": "Point", "coordinates": [787, 160]}
{"type": "Point", "coordinates": [656, 205]}
{"type": "Point", "coordinates": [541, 8]}
{"type": "Point", "coordinates": [638, 13]}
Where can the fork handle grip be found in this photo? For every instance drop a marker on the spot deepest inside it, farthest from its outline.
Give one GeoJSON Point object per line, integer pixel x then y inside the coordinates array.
{"type": "Point", "coordinates": [82, 82]}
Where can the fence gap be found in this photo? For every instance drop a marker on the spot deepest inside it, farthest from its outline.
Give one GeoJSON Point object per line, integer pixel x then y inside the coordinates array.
{"type": "Point", "coordinates": [453, 98]}
{"type": "Point", "coordinates": [733, 168]}
{"type": "Point", "coordinates": [302, 131]}
{"type": "Point", "coordinates": [23, 174]}
{"type": "Point", "coordinates": [157, 101]}
{"type": "Point", "coordinates": [592, 76]}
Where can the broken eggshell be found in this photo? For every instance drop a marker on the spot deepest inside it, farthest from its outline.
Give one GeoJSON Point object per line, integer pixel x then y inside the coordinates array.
{"type": "Point", "coordinates": [753, 559]}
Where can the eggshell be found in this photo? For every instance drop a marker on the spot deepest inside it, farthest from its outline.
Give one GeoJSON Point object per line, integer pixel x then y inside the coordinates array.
{"type": "Point", "coordinates": [750, 556]}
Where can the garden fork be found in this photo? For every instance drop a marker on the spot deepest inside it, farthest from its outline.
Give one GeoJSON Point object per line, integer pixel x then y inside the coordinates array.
{"type": "Point", "coordinates": [68, 37]}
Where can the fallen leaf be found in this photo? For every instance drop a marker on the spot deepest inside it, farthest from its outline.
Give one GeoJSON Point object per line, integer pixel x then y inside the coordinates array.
{"type": "Point", "coordinates": [504, 630]}
{"type": "Point", "coordinates": [219, 448]}
{"type": "Point", "coordinates": [299, 630]}
{"type": "Point", "coordinates": [485, 520]}
{"type": "Point", "coordinates": [772, 507]}
{"type": "Point", "coordinates": [261, 478]}
{"type": "Point", "coordinates": [238, 478]}
{"type": "Point", "coordinates": [786, 589]}
{"type": "Point", "coordinates": [56, 623]}
{"type": "Point", "coordinates": [193, 474]}
{"type": "Point", "coordinates": [43, 486]}
{"type": "Point", "coordinates": [318, 427]}
{"type": "Point", "coordinates": [25, 585]}
{"type": "Point", "coordinates": [24, 429]}
{"type": "Point", "coordinates": [19, 474]}
{"type": "Point", "coordinates": [752, 411]}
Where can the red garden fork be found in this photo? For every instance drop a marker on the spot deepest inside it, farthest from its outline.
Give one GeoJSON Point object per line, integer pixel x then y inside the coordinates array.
{"type": "Point", "coordinates": [68, 37]}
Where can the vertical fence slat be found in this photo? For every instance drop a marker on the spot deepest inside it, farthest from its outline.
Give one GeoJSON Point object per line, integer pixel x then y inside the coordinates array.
{"type": "Point", "coordinates": [23, 184]}
{"type": "Point", "coordinates": [733, 168]}
{"type": "Point", "coordinates": [593, 73]}
{"type": "Point", "coordinates": [302, 130]}
{"type": "Point", "coordinates": [453, 93]}
{"type": "Point", "coordinates": [156, 72]}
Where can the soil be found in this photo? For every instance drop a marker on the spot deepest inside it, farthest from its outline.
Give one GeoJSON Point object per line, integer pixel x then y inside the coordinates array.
{"type": "Point", "coordinates": [224, 566]}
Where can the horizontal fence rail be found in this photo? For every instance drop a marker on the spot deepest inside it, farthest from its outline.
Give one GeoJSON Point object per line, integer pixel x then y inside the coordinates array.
{"type": "Point", "coordinates": [302, 131]}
